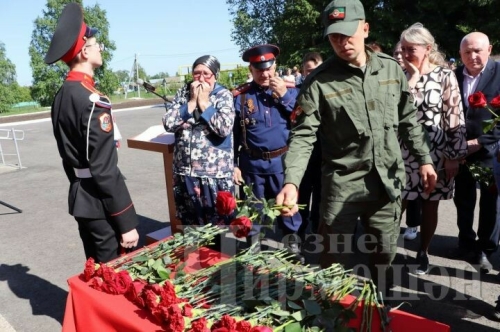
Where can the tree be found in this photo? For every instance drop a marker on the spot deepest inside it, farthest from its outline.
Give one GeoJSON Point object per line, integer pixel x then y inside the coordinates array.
{"type": "Point", "coordinates": [122, 75]}
{"type": "Point", "coordinates": [296, 26]}
{"type": "Point", "coordinates": [160, 75]}
{"type": "Point", "coordinates": [7, 81]}
{"type": "Point", "coordinates": [48, 79]}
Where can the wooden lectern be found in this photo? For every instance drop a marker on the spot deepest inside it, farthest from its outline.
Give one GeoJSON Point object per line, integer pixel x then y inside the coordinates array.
{"type": "Point", "coordinates": [156, 139]}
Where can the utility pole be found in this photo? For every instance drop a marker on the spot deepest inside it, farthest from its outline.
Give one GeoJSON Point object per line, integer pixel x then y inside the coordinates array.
{"type": "Point", "coordinates": [137, 76]}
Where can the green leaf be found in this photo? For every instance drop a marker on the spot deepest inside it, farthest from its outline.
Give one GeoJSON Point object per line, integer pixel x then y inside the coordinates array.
{"type": "Point", "coordinates": [157, 264]}
{"type": "Point", "coordinates": [293, 327]}
{"type": "Point", "coordinates": [299, 315]}
{"type": "Point", "coordinates": [244, 211]}
{"type": "Point", "coordinates": [140, 259]}
{"type": "Point", "coordinates": [281, 313]}
{"type": "Point", "coordinates": [144, 271]}
{"type": "Point", "coordinates": [488, 125]}
{"type": "Point", "coordinates": [312, 307]}
{"type": "Point", "coordinates": [167, 260]}
{"type": "Point", "coordinates": [151, 262]}
{"type": "Point", "coordinates": [163, 273]}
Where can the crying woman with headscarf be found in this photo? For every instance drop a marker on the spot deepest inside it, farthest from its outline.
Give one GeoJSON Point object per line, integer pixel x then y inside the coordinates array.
{"type": "Point", "coordinates": [202, 117]}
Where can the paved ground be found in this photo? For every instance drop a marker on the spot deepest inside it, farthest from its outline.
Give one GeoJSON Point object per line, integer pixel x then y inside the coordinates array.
{"type": "Point", "coordinates": [40, 248]}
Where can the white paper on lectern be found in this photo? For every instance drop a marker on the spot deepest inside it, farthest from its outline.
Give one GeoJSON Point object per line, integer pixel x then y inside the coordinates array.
{"type": "Point", "coordinates": [156, 134]}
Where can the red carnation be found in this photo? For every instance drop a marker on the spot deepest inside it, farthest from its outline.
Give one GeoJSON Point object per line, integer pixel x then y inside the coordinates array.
{"type": "Point", "coordinates": [187, 310]}
{"type": "Point", "coordinates": [243, 326]}
{"type": "Point", "coordinates": [241, 226]}
{"type": "Point", "coordinates": [495, 102]}
{"type": "Point", "coordinates": [225, 203]}
{"type": "Point", "coordinates": [122, 282]}
{"type": "Point", "coordinates": [110, 288]}
{"type": "Point", "coordinates": [226, 322]}
{"type": "Point", "coordinates": [199, 325]}
{"type": "Point", "coordinates": [150, 298]}
{"type": "Point", "coordinates": [96, 283]}
{"type": "Point", "coordinates": [477, 100]}
{"type": "Point", "coordinates": [133, 293]}
{"type": "Point", "coordinates": [89, 270]}
{"type": "Point", "coordinates": [175, 319]}
{"type": "Point", "coordinates": [107, 273]}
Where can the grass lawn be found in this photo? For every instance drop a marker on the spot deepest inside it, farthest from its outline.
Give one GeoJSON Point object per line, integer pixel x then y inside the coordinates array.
{"type": "Point", "coordinates": [114, 99]}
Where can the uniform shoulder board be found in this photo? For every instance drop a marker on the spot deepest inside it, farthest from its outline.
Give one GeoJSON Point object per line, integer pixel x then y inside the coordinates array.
{"type": "Point", "coordinates": [103, 104]}
{"type": "Point", "coordinates": [241, 89]}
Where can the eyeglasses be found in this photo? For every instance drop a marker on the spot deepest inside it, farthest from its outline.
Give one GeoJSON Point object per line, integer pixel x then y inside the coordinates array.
{"type": "Point", "coordinates": [207, 76]}
{"type": "Point", "coordinates": [100, 45]}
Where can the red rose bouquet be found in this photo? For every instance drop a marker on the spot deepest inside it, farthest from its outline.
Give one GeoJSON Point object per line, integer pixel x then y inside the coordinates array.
{"type": "Point", "coordinates": [478, 100]}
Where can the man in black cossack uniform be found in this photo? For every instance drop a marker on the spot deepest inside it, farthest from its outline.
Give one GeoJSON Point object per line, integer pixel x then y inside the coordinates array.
{"type": "Point", "coordinates": [83, 127]}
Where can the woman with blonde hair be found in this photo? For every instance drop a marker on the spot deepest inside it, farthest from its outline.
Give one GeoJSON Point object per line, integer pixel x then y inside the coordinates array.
{"type": "Point", "coordinates": [437, 96]}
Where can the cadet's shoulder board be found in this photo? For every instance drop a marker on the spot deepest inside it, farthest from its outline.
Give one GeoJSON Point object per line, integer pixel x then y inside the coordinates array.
{"type": "Point", "coordinates": [103, 103]}
{"type": "Point", "coordinates": [241, 89]}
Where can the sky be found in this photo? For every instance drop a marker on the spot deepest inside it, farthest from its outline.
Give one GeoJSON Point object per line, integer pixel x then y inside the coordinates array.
{"type": "Point", "coordinates": [163, 34]}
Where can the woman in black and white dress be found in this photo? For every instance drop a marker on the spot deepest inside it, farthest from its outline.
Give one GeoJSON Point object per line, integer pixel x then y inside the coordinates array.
{"type": "Point", "coordinates": [437, 96]}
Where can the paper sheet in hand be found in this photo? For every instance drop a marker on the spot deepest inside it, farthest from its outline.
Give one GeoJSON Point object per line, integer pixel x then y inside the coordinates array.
{"type": "Point", "coordinates": [156, 134]}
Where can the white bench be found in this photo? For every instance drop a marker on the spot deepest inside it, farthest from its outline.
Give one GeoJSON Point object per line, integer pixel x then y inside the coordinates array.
{"type": "Point", "coordinates": [13, 135]}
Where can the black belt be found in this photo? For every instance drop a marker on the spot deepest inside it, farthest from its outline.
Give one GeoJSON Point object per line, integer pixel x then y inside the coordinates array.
{"type": "Point", "coordinates": [266, 155]}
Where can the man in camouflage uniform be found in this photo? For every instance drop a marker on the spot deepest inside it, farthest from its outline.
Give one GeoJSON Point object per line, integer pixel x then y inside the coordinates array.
{"type": "Point", "coordinates": [358, 101]}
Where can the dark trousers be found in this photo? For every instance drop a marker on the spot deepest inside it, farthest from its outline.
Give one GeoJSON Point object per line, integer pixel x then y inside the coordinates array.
{"type": "Point", "coordinates": [414, 213]}
{"type": "Point", "coordinates": [268, 186]}
{"type": "Point", "coordinates": [380, 220]}
{"type": "Point", "coordinates": [100, 239]}
{"type": "Point", "coordinates": [310, 194]}
{"type": "Point", "coordinates": [488, 232]}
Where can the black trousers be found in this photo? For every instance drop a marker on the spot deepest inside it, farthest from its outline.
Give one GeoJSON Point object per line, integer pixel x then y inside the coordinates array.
{"type": "Point", "coordinates": [488, 232]}
{"type": "Point", "coordinates": [414, 213]}
{"type": "Point", "coordinates": [310, 194]}
{"type": "Point", "coordinates": [101, 240]}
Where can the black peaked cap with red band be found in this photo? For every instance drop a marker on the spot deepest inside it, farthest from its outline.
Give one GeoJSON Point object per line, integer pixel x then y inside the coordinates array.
{"type": "Point", "coordinates": [261, 56]}
{"type": "Point", "coordinates": [68, 39]}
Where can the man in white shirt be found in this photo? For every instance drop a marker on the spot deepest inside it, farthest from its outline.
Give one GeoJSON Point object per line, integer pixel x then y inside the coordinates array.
{"type": "Point", "coordinates": [478, 73]}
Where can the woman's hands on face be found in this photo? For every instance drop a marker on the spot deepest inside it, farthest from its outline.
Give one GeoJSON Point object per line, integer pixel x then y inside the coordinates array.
{"type": "Point", "coordinates": [203, 100]}
{"type": "Point", "coordinates": [194, 90]}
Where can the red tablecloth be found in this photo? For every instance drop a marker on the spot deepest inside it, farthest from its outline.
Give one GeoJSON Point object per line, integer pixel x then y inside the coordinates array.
{"type": "Point", "coordinates": [91, 310]}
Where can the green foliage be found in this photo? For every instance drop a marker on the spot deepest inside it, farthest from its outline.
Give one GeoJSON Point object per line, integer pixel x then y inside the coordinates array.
{"type": "Point", "coordinates": [7, 98]}
{"type": "Point", "coordinates": [7, 68]}
{"type": "Point", "coordinates": [239, 76]}
{"type": "Point", "coordinates": [122, 75]}
{"type": "Point", "coordinates": [48, 79]}
{"type": "Point", "coordinates": [8, 84]}
{"type": "Point", "coordinates": [295, 25]}
{"type": "Point", "coordinates": [160, 75]}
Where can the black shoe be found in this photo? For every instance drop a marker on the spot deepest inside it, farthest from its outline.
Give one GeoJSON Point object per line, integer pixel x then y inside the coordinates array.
{"type": "Point", "coordinates": [423, 263]}
{"type": "Point", "coordinates": [496, 313]}
{"type": "Point", "coordinates": [484, 263]}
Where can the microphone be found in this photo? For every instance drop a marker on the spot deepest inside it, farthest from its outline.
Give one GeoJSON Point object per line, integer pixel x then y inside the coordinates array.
{"type": "Point", "coordinates": [151, 88]}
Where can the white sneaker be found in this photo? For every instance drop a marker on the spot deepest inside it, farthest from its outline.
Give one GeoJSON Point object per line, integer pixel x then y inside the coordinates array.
{"type": "Point", "coordinates": [410, 233]}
